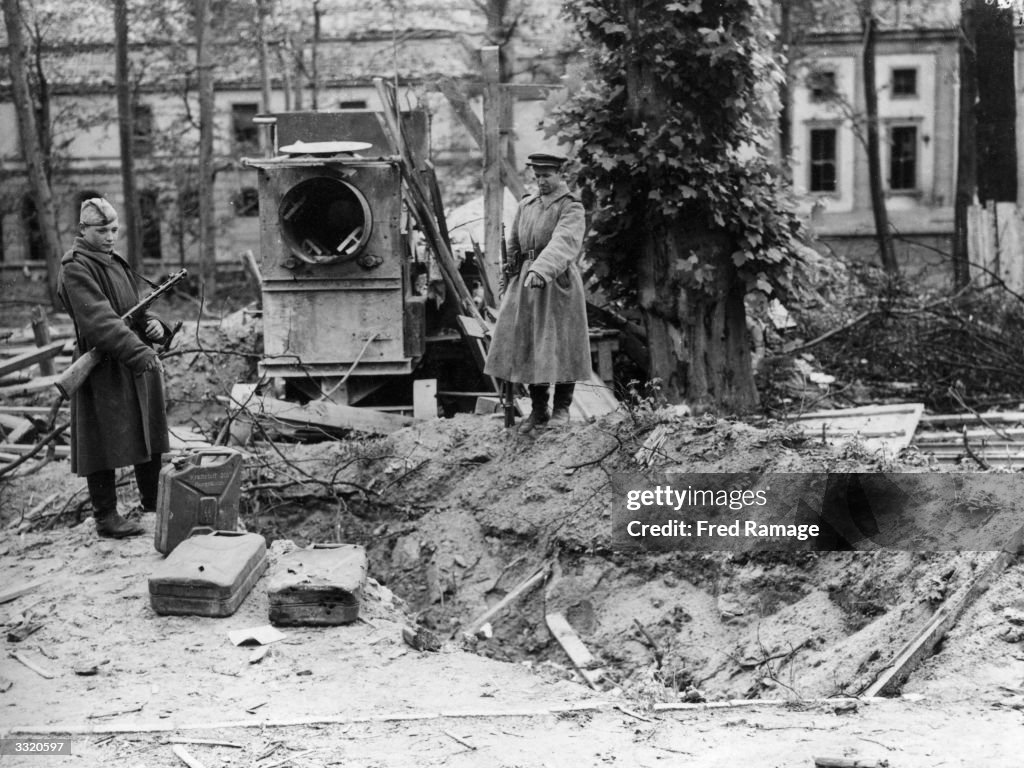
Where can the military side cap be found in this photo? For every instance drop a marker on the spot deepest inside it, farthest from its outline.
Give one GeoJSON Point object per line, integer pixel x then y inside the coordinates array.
{"type": "Point", "coordinates": [541, 160]}
{"type": "Point", "coordinates": [96, 212]}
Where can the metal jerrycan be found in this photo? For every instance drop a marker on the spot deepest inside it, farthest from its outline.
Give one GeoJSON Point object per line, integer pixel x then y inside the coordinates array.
{"type": "Point", "coordinates": [198, 493]}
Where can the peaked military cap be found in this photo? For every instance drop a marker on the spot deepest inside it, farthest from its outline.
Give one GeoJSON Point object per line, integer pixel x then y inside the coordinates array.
{"type": "Point", "coordinates": [542, 160]}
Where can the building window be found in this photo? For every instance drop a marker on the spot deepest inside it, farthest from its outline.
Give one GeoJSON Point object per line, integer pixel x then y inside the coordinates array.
{"type": "Point", "coordinates": [149, 213]}
{"type": "Point", "coordinates": [142, 130]}
{"type": "Point", "coordinates": [352, 104]}
{"type": "Point", "coordinates": [822, 85]}
{"type": "Point", "coordinates": [246, 202]}
{"type": "Point", "coordinates": [904, 83]}
{"type": "Point", "coordinates": [903, 157]}
{"type": "Point", "coordinates": [823, 160]}
{"type": "Point", "coordinates": [244, 132]}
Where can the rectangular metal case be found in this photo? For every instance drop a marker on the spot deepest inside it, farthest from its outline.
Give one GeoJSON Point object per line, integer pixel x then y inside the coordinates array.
{"type": "Point", "coordinates": [321, 586]}
{"type": "Point", "coordinates": [198, 493]}
{"type": "Point", "coordinates": [208, 575]}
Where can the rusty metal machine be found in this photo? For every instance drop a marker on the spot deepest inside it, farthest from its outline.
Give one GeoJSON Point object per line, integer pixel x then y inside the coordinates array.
{"type": "Point", "coordinates": [339, 303]}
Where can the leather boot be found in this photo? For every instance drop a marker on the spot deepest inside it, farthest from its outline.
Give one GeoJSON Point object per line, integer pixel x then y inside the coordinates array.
{"type": "Point", "coordinates": [537, 420]}
{"type": "Point", "coordinates": [559, 417]}
{"type": "Point", "coordinates": [110, 525]}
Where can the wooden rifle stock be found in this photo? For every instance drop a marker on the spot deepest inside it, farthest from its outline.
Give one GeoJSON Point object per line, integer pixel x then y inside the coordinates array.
{"type": "Point", "coordinates": [79, 371]}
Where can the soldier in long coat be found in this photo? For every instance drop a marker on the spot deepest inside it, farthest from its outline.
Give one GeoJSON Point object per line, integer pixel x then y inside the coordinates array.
{"type": "Point", "coordinates": [117, 415]}
{"type": "Point", "coordinates": [541, 334]}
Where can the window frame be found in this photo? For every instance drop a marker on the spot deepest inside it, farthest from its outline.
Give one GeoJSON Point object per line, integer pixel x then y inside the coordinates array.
{"type": "Point", "coordinates": [893, 159]}
{"type": "Point", "coordinates": [894, 94]}
{"type": "Point", "coordinates": [813, 164]}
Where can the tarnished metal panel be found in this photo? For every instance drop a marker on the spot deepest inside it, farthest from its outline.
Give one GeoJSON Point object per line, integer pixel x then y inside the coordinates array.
{"type": "Point", "coordinates": [333, 326]}
{"type": "Point", "coordinates": [377, 183]}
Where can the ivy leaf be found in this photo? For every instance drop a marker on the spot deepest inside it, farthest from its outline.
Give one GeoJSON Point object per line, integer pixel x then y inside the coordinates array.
{"type": "Point", "coordinates": [687, 192]}
{"type": "Point", "coordinates": [739, 258]}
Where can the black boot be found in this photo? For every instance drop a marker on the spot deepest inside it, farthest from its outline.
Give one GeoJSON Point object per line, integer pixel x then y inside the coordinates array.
{"type": "Point", "coordinates": [539, 413]}
{"type": "Point", "coordinates": [147, 477]}
{"type": "Point", "coordinates": [110, 525]}
{"type": "Point", "coordinates": [563, 399]}
{"type": "Point", "coordinates": [103, 495]}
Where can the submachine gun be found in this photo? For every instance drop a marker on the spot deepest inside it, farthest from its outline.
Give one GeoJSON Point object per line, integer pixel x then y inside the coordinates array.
{"type": "Point", "coordinates": [76, 374]}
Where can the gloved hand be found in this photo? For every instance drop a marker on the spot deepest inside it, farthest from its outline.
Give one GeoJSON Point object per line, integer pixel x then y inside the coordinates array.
{"type": "Point", "coordinates": [533, 280]}
{"type": "Point", "coordinates": [154, 330]}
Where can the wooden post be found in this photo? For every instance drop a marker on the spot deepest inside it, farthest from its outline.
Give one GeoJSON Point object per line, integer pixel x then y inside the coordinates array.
{"type": "Point", "coordinates": [41, 332]}
{"type": "Point", "coordinates": [493, 188]}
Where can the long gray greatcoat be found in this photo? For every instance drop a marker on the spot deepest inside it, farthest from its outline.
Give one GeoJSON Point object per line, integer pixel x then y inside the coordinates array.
{"type": "Point", "coordinates": [541, 333]}
{"type": "Point", "coordinates": [117, 415]}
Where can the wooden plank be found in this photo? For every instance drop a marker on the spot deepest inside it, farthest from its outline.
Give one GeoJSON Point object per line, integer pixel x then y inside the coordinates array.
{"type": "Point", "coordinates": [37, 384]}
{"type": "Point", "coordinates": [41, 332]}
{"type": "Point", "coordinates": [13, 593]}
{"type": "Point", "coordinates": [424, 398]}
{"type": "Point", "coordinates": [518, 591]}
{"type": "Point", "coordinates": [882, 427]}
{"type": "Point", "coordinates": [32, 410]}
{"type": "Point", "coordinates": [61, 451]}
{"type": "Point", "coordinates": [574, 648]}
{"type": "Point", "coordinates": [31, 358]}
{"type": "Point", "coordinates": [317, 413]}
{"type": "Point", "coordinates": [956, 419]}
{"type": "Point", "coordinates": [923, 644]}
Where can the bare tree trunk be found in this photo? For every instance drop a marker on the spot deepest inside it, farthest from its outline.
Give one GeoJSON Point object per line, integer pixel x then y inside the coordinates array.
{"type": "Point", "coordinates": [126, 132]}
{"type": "Point", "coordinates": [967, 150]}
{"type": "Point", "coordinates": [37, 177]}
{"type": "Point", "coordinates": [207, 219]}
{"type": "Point", "coordinates": [882, 233]}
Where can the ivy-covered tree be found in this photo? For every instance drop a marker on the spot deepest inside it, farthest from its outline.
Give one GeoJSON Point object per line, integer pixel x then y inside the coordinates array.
{"type": "Point", "coordinates": [674, 132]}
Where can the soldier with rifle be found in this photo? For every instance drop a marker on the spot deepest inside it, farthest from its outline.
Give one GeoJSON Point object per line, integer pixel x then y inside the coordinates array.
{"type": "Point", "coordinates": [540, 337]}
{"type": "Point", "coordinates": [117, 413]}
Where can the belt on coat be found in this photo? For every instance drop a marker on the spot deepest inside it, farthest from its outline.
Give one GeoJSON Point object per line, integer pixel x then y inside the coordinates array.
{"type": "Point", "coordinates": [515, 265]}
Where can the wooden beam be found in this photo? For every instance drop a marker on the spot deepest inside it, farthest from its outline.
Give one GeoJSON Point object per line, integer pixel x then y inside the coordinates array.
{"type": "Point", "coordinates": [494, 190]}
{"type": "Point", "coordinates": [475, 128]}
{"type": "Point", "coordinates": [31, 358]}
{"type": "Point", "coordinates": [518, 591]}
{"type": "Point", "coordinates": [574, 648]}
{"type": "Point", "coordinates": [13, 593]}
{"type": "Point", "coordinates": [41, 332]}
{"type": "Point", "coordinates": [923, 644]}
{"type": "Point", "coordinates": [319, 413]}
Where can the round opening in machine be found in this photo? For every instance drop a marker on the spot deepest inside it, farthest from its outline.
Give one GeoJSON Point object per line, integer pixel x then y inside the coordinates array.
{"type": "Point", "coordinates": [325, 220]}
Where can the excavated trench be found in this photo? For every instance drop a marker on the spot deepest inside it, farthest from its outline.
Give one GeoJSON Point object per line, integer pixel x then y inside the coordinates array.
{"type": "Point", "coordinates": [685, 625]}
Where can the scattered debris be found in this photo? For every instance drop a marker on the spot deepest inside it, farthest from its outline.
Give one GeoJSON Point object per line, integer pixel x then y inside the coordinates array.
{"type": "Point", "coordinates": [421, 639]}
{"type": "Point", "coordinates": [185, 757]}
{"type": "Point", "coordinates": [34, 666]}
{"type": "Point", "coordinates": [264, 635]}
